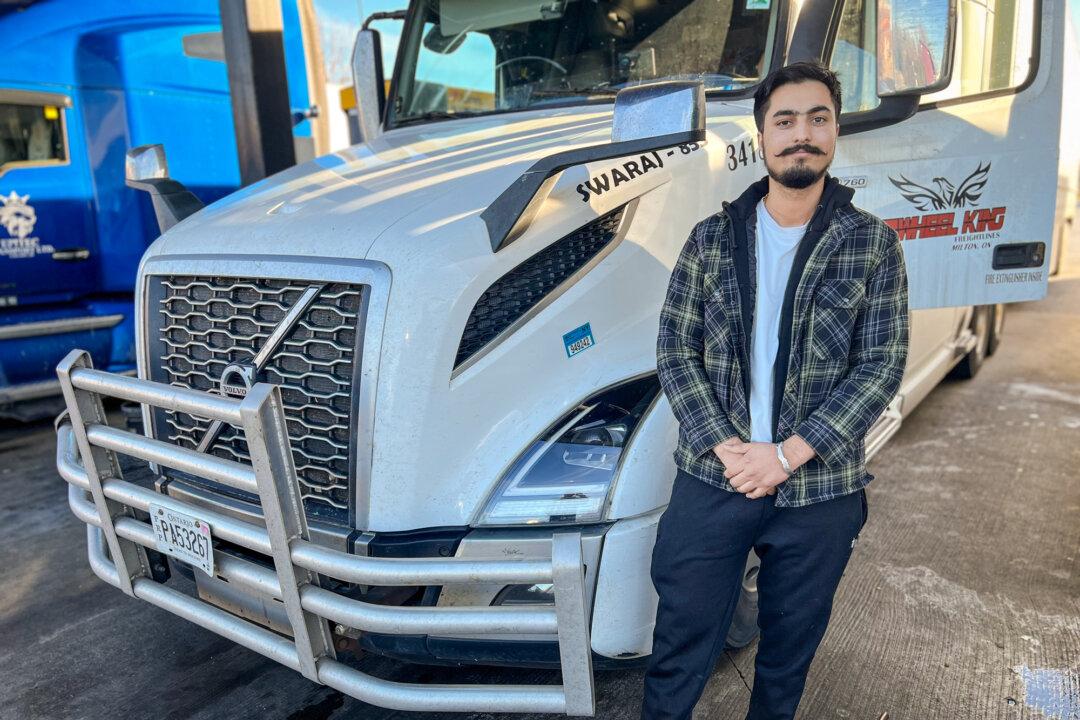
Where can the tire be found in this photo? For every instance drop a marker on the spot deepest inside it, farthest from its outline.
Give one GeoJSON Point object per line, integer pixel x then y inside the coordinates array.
{"type": "Point", "coordinates": [997, 328]}
{"type": "Point", "coordinates": [980, 324]}
{"type": "Point", "coordinates": [744, 627]}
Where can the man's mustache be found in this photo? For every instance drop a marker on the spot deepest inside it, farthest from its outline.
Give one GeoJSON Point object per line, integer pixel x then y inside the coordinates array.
{"type": "Point", "coordinates": [801, 148]}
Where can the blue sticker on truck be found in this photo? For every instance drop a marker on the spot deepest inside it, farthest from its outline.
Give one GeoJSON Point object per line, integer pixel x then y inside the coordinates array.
{"type": "Point", "coordinates": [578, 340]}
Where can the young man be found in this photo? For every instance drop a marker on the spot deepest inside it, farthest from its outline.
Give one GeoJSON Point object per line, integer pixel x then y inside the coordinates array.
{"type": "Point", "coordinates": [783, 337]}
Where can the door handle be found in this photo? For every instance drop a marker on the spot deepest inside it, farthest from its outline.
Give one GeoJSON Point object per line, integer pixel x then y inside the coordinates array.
{"type": "Point", "coordinates": [76, 254]}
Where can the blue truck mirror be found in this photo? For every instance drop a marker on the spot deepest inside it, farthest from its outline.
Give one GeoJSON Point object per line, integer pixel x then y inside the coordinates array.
{"type": "Point", "coordinates": [146, 162]}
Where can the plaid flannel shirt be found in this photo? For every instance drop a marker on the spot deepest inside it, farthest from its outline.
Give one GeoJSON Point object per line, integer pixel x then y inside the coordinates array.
{"type": "Point", "coordinates": [848, 345]}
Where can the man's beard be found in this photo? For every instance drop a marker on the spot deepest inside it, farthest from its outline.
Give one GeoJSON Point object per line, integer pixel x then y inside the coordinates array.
{"type": "Point", "coordinates": [798, 177]}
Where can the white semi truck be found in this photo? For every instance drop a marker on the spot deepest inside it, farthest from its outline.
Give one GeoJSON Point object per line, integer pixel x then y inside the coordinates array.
{"type": "Point", "coordinates": [403, 397]}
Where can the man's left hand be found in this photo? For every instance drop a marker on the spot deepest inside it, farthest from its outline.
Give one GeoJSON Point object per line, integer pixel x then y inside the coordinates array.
{"type": "Point", "coordinates": [759, 472]}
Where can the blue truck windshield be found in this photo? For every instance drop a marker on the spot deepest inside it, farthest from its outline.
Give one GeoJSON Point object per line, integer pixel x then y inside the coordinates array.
{"type": "Point", "coordinates": [465, 57]}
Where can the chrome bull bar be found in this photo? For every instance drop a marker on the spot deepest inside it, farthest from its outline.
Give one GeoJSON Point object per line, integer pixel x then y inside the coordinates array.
{"type": "Point", "coordinates": [98, 495]}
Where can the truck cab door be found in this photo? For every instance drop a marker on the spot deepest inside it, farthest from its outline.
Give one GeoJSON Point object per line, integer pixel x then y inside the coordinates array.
{"type": "Point", "coordinates": [48, 243]}
{"type": "Point", "coordinates": [969, 178]}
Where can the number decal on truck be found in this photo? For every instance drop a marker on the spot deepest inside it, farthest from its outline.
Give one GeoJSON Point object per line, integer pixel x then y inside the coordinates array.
{"type": "Point", "coordinates": [737, 154]}
{"type": "Point", "coordinates": [578, 340]}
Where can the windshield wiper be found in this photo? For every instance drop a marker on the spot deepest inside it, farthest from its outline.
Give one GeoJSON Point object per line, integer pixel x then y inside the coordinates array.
{"type": "Point", "coordinates": [565, 92]}
{"type": "Point", "coordinates": [439, 115]}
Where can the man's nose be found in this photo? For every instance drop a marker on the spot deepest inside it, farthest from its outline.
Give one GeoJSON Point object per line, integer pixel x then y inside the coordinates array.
{"type": "Point", "coordinates": [802, 130]}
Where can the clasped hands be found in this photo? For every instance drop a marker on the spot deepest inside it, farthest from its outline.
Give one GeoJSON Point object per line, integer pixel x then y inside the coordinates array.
{"type": "Point", "coordinates": [752, 468]}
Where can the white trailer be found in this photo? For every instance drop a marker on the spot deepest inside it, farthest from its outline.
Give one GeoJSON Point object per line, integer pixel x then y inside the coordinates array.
{"type": "Point", "coordinates": [403, 397]}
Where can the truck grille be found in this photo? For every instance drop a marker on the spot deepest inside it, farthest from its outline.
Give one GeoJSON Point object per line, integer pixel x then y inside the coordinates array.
{"type": "Point", "coordinates": [205, 323]}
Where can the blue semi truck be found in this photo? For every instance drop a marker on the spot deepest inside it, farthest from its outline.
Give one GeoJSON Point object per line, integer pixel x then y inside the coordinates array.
{"type": "Point", "coordinates": [80, 84]}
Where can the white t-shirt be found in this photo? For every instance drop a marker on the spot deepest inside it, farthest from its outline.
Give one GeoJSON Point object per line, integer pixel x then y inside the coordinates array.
{"type": "Point", "coordinates": [776, 246]}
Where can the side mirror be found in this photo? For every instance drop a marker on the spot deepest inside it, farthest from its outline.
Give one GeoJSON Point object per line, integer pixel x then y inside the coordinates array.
{"type": "Point", "coordinates": [145, 168]}
{"type": "Point", "coordinates": [661, 108]}
{"type": "Point", "coordinates": [914, 46]}
{"type": "Point", "coordinates": [647, 118]}
{"type": "Point", "coordinates": [367, 71]}
{"type": "Point", "coordinates": [145, 162]}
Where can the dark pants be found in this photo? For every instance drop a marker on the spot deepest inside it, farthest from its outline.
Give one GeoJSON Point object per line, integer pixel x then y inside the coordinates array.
{"type": "Point", "coordinates": [702, 543]}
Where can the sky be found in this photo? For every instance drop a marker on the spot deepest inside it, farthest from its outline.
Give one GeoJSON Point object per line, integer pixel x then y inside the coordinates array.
{"type": "Point", "coordinates": [339, 22]}
{"type": "Point", "coordinates": [470, 66]}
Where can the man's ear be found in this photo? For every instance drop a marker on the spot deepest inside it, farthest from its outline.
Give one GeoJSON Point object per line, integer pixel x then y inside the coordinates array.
{"type": "Point", "coordinates": [761, 142]}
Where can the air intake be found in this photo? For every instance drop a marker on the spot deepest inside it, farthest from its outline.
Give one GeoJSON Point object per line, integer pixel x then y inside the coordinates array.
{"type": "Point", "coordinates": [525, 288]}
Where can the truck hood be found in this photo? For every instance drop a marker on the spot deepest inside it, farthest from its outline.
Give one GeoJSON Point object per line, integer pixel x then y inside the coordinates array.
{"type": "Point", "coordinates": [411, 202]}
{"type": "Point", "coordinates": [337, 205]}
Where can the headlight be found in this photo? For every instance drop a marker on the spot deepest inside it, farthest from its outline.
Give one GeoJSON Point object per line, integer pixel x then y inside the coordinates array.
{"type": "Point", "coordinates": [565, 476]}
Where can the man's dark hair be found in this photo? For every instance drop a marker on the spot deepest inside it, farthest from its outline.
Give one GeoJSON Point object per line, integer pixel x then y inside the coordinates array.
{"type": "Point", "coordinates": [794, 73]}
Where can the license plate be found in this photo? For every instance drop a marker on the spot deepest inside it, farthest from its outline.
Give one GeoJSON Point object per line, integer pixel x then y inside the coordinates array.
{"type": "Point", "coordinates": [183, 537]}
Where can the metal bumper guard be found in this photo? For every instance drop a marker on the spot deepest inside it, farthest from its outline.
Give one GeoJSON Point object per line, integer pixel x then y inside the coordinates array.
{"type": "Point", "coordinates": [116, 538]}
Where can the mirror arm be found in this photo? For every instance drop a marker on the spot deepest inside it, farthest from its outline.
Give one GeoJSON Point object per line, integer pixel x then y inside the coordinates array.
{"type": "Point", "coordinates": [892, 109]}
{"type": "Point", "coordinates": [509, 215]}
{"type": "Point", "coordinates": [172, 201]}
{"type": "Point", "coordinates": [391, 15]}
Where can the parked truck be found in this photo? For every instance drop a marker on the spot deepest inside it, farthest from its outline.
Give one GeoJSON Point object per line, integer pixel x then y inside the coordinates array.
{"type": "Point", "coordinates": [80, 83]}
{"type": "Point", "coordinates": [403, 398]}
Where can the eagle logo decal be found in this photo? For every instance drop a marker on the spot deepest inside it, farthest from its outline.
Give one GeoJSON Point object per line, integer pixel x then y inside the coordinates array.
{"type": "Point", "coordinates": [946, 195]}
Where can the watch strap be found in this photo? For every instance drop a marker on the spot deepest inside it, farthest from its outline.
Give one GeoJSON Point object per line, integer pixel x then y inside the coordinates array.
{"type": "Point", "coordinates": [783, 460]}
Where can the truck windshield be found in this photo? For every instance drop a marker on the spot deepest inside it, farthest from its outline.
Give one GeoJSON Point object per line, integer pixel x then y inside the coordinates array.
{"type": "Point", "coordinates": [468, 57]}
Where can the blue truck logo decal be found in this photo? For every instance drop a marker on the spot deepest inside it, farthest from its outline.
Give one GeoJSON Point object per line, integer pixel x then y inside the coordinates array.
{"type": "Point", "coordinates": [578, 340]}
{"type": "Point", "coordinates": [17, 216]}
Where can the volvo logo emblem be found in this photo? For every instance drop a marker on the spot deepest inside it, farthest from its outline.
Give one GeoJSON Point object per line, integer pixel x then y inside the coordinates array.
{"type": "Point", "coordinates": [237, 379]}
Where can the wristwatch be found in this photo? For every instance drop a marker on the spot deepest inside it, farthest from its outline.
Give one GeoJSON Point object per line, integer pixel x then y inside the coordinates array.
{"type": "Point", "coordinates": [783, 460]}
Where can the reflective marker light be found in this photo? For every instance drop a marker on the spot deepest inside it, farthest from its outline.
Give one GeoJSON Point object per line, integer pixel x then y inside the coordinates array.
{"type": "Point", "coordinates": [565, 476]}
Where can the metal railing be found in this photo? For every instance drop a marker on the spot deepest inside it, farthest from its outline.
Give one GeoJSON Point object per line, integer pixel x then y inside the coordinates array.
{"type": "Point", "coordinates": [99, 496]}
